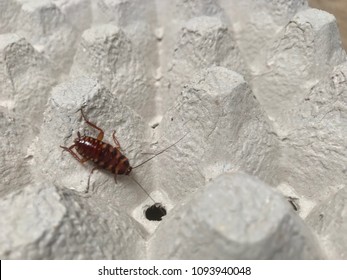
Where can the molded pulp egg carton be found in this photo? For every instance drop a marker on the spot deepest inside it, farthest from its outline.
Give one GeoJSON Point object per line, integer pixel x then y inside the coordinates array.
{"type": "Point", "coordinates": [245, 103]}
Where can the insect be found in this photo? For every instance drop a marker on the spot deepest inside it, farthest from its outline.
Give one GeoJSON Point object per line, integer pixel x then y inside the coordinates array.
{"type": "Point", "coordinates": [294, 202]}
{"type": "Point", "coordinates": [104, 155]}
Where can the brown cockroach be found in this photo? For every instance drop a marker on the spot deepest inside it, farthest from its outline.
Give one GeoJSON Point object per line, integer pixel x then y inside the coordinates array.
{"type": "Point", "coordinates": [104, 155]}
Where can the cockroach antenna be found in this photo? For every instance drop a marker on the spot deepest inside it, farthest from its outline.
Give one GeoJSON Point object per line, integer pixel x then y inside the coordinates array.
{"type": "Point", "coordinates": [146, 192]}
{"type": "Point", "coordinates": [157, 154]}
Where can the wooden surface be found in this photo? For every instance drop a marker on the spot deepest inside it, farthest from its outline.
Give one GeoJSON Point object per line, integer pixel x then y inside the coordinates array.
{"type": "Point", "coordinates": [339, 9]}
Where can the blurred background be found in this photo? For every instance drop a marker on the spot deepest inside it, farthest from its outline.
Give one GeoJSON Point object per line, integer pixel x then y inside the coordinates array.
{"type": "Point", "coordinates": [337, 8]}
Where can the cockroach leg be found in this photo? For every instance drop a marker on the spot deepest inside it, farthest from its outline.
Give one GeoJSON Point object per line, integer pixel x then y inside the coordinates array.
{"type": "Point", "coordinates": [115, 178]}
{"type": "Point", "coordinates": [90, 174]}
{"type": "Point", "coordinates": [101, 132]}
{"type": "Point", "coordinates": [83, 160]}
{"type": "Point", "coordinates": [116, 141]}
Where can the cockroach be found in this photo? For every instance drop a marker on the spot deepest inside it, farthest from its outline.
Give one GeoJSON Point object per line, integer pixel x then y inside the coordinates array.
{"type": "Point", "coordinates": [294, 202]}
{"type": "Point", "coordinates": [104, 155]}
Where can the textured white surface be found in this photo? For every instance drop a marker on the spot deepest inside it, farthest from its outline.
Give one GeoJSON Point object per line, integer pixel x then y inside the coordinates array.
{"type": "Point", "coordinates": [235, 216]}
{"type": "Point", "coordinates": [303, 52]}
{"type": "Point", "coordinates": [226, 130]}
{"type": "Point", "coordinates": [62, 226]}
{"type": "Point", "coordinates": [25, 79]}
{"type": "Point", "coordinates": [314, 152]}
{"type": "Point", "coordinates": [105, 53]}
{"type": "Point", "coordinates": [14, 164]}
{"type": "Point", "coordinates": [250, 86]}
{"type": "Point", "coordinates": [328, 220]}
{"type": "Point", "coordinates": [203, 42]}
